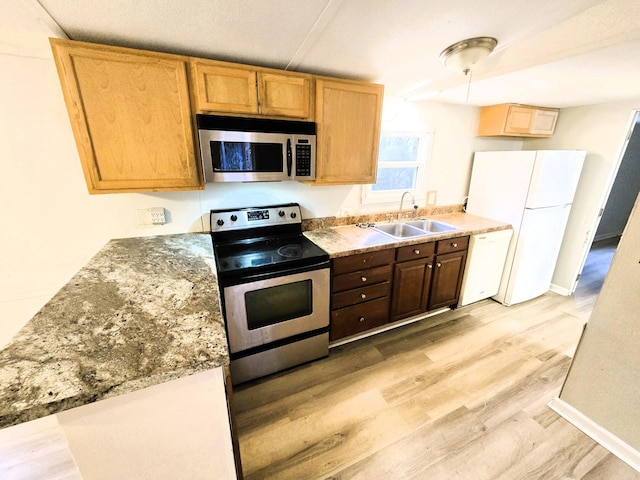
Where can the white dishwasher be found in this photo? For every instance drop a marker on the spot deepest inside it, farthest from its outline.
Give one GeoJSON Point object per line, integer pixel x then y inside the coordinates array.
{"type": "Point", "coordinates": [485, 263]}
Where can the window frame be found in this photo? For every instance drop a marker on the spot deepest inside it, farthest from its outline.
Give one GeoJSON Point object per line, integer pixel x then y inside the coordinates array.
{"type": "Point", "coordinates": [371, 197]}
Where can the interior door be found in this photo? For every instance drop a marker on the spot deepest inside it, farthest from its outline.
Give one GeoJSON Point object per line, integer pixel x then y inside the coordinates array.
{"type": "Point", "coordinates": [583, 223]}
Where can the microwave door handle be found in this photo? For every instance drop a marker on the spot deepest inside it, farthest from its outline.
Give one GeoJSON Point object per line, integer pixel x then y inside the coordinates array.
{"type": "Point", "coordinates": [289, 157]}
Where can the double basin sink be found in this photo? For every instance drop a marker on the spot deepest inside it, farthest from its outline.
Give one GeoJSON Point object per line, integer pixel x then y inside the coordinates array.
{"type": "Point", "coordinates": [414, 228]}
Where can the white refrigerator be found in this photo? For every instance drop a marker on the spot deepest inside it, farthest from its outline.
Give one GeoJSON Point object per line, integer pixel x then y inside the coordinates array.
{"type": "Point", "coordinates": [533, 191]}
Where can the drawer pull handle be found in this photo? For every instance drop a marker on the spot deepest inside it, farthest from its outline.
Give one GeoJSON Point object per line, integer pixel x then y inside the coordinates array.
{"type": "Point", "coordinates": [454, 245]}
{"type": "Point", "coordinates": [363, 296]}
{"type": "Point", "coordinates": [416, 251]}
{"type": "Point", "coordinates": [438, 264]}
{"type": "Point", "coordinates": [364, 279]}
{"type": "Point", "coordinates": [361, 319]}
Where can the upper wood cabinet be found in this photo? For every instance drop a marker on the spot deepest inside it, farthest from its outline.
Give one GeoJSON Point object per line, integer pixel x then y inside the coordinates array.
{"type": "Point", "coordinates": [130, 114]}
{"type": "Point", "coordinates": [348, 116]}
{"type": "Point", "coordinates": [222, 87]}
{"type": "Point", "coordinates": [517, 121]}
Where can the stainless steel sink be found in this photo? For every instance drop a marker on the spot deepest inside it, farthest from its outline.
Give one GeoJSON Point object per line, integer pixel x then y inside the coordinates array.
{"type": "Point", "coordinates": [431, 226]}
{"type": "Point", "coordinates": [399, 230]}
{"type": "Point", "coordinates": [415, 228]}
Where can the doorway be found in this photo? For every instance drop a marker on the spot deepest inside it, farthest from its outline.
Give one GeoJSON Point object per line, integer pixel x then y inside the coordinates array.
{"type": "Point", "coordinates": [622, 196]}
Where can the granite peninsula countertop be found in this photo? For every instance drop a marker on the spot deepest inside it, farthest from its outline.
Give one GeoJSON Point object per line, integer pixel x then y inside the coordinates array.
{"type": "Point", "coordinates": [143, 311]}
{"type": "Point", "coordinates": [340, 241]}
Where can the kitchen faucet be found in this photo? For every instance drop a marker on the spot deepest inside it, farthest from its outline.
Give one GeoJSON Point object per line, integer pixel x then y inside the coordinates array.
{"type": "Point", "coordinates": [402, 200]}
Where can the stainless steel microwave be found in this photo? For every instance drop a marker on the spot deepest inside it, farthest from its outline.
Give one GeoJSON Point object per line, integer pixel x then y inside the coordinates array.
{"type": "Point", "coordinates": [237, 149]}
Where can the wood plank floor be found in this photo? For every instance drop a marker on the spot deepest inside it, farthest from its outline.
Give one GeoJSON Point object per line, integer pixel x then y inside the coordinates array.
{"type": "Point", "coordinates": [462, 395]}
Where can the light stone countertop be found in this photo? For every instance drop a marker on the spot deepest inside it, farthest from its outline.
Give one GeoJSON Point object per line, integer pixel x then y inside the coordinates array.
{"type": "Point", "coordinates": [346, 240]}
{"type": "Point", "coordinates": [143, 311]}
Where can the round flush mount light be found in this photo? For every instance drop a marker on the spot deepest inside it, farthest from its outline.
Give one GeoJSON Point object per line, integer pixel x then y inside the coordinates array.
{"type": "Point", "coordinates": [461, 56]}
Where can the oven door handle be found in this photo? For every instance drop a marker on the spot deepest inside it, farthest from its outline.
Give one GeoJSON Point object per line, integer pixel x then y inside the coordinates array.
{"type": "Point", "coordinates": [229, 280]}
{"type": "Point", "coordinates": [289, 157]}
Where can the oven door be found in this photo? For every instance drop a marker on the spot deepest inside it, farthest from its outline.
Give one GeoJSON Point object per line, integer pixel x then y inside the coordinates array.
{"type": "Point", "coordinates": [264, 311]}
{"type": "Point", "coordinates": [245, 156]}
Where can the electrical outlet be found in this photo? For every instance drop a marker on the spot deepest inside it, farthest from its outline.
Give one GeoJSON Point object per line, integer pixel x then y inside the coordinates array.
{"type": "Point", "coordinates": [432, 196]}
{"type": "Point", "coordinates": [157, 216]}
{"type": "Point", "coordinates": [152, 216]}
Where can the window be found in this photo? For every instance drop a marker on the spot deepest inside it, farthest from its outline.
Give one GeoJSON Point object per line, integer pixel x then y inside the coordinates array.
{"type": "Point", "coordinates": [402, 162]}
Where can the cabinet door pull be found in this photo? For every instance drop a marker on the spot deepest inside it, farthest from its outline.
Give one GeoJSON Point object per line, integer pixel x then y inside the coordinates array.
{"type": "Point", "coordinates": [361, 319]}
{"type": "Point", "coordinates": [416, 251]}
{"type": "Point", "coordinates": [429, 265]}
{"type": "Point", "coordinates": [364, 279]}
{"type": "Point", "coordinates": [363, 296]}
{"type": "Point", "coordinates": [438, 264]}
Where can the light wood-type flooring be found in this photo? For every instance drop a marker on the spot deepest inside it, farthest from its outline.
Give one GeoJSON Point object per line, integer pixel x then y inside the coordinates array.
{"type": "Point", "coordinates": [462, 395]}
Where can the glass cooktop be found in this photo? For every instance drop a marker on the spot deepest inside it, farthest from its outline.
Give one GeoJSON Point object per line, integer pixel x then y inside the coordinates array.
{"type": "Point", "coordinates": [274, 254]}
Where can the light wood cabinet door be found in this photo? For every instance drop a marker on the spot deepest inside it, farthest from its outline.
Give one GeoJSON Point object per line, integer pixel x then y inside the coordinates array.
{"type": "Point", "coordinates": [348, 116]}
{"type": "Point", "coordinates": [284, 95]}
{"type": "Point", "coordinates": [222, 87]}
{"type": "Point", "coordinates": [226, 88]}
{"type": "Point", "coordinates": [131, 117]}
{"type": "Point", "coordinates": [544, 122]}
{"type": "Point", "coordinates": [519, 119]}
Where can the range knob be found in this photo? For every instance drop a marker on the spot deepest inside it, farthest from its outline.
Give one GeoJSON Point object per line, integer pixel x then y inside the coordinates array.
{"type": "Point", "coordinates": [294, 214]}
{"type": "Point", "coordinates": [220, 222]}
{"type": "Point", "coordinates": [234, 218]}
{"type": "Point", "coordinates": [281, 213]}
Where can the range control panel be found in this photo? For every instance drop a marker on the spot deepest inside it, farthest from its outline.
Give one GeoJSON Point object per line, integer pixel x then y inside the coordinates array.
{"type": "Point", "coordinates": [243, 218]}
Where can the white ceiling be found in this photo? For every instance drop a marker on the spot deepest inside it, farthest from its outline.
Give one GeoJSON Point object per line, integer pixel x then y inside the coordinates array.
{"type": "Point", "coordinates": [550, 53]}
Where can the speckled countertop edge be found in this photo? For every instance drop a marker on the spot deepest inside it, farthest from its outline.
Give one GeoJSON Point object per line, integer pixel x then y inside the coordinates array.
{"type": "Point", "coordinates": [143, 311]}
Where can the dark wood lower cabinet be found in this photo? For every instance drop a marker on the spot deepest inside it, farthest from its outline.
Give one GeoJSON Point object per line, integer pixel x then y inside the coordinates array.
{"type": "Point", "coordinates": [447, 279]}
{"type": "Point", "coordinates": [411, 284]}
{"type": "Point", "coordinates": [375, 288]}
{"type": "Point", "coordinates": [360, 292]}
{"type": "Point", "coordinates": [359, 318]}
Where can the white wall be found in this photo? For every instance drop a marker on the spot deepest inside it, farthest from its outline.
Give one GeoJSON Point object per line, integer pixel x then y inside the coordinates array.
{"type": "Point", "coordinates": [51, 226]}
{"type": "Point", "coordinates": [601, 131]}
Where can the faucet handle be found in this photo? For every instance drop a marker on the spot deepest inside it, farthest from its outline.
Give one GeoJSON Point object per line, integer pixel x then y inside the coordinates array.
{"type": "Point", "coordinates": [389, 217]}
{"type": "Point", "coordinates": [415, 211]}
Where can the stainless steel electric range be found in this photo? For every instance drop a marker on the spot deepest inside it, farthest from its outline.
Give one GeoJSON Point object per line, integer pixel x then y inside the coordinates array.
{"type": "Point", "coordinates": [275, 289]}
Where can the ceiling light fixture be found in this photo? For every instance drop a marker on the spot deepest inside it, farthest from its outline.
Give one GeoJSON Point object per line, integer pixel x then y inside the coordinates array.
{"type": "Point", "coordinates": [461, 56]}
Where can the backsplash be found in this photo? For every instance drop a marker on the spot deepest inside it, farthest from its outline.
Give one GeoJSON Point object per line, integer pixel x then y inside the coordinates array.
{"type": "Point", "coordinates": [327, 222]}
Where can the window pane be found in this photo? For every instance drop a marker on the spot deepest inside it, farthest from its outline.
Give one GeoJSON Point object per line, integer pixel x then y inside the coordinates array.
{"type": "Point", "coordinates": [395, 179]}
{"type": "Point", "coordinates": [398, 149]}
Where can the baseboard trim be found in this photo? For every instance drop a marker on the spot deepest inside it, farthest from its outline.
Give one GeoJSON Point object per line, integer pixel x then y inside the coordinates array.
{"type": "Point", "coordinates": [559, 290]}
{"type": "Point", "coordinates": [604, 437]}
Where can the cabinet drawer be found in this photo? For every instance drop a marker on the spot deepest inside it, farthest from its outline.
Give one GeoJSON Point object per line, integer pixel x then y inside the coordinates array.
{"type": "Point", "coordinates": [360, 295]}
{"type": "Point", "coordinates": [359, 318]}
{"type": "Point", "coordinates": [362, 278]}
{"type": "Point", "coordinates": [452, 245]}
{"type": "Point", "coordinates": [353, 263]}
{"type": "Point", "coordinates": [413, 252]}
